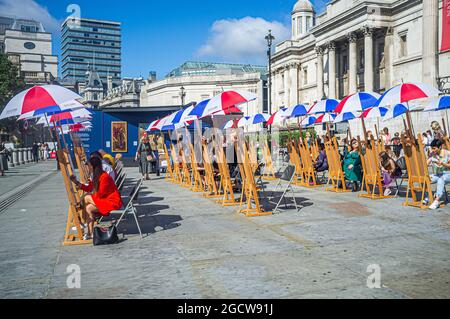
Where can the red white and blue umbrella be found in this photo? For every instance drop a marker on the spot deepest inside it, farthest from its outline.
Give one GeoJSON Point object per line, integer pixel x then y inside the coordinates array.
{"type": "Point", "coordinates": [225, 102]}
{"type": "Point", "coordinates": [243, 121]}
{"type": "Point", "coordinates": [258, 118]}
{"type": "Point", "coordinates": [438, 104]}
{"type": "Point", "coordinates": [178, 119]}
{"type": "Point", "coordinates": [69, 117]}
{"type": "Point", "coordinates": [297, 110]}
{"type": "Point", "coordinates": [357, 102]}
{"type": "Point", "coordinates": [325, 118]}
{"type": "Point", "coordinates": [395, 111]}
{"type": "Point", "coordinates": [277, 117]}
{"type": "Point", "coordinates": [345, 117]}
{"type": "Point", "coordinates": [374, 112]}
{"type": "Point", "coordinates": [157, 124]}
{"type": "Point", "coordinates": [407, 92]}
{"type": "Point", "coordinates": [310, 120]}
{"type": "Point", "coordinates": [324, 106]}
{"type": "Point", "coordinates": [229, 124]}
{"type": "Point", "coordinates": [39, 100]}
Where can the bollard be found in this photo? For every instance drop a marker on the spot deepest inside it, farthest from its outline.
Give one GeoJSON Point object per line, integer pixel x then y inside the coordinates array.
{"type": "Point", "coordinates": [26, 159]}
{"type": "Point", "coordinates": [30, 155]}
{"type": "Point", "coordinates": [15, 157]}
{"type": "Point", "coordinates": [20, 151]}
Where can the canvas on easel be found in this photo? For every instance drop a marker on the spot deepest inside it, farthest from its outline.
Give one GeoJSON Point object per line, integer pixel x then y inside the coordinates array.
{"type": "Point", "coordinates": [336, 176]}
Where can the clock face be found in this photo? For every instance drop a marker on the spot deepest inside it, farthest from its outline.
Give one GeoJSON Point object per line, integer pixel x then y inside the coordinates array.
{"type": "Point", "coordinates": [29, 45]}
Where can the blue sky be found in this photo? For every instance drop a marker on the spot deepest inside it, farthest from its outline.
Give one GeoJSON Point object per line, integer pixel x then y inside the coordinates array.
{"type": "Point", "coordinates": [160, 35]}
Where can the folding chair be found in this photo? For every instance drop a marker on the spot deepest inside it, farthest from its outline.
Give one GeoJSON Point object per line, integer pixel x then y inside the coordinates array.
{"type": "Point", "coordinates": [401, 162]}
{"type": "Point", "coordinates": [130, 207]}
{"type": "Point", "coordinates": [288, 175]}
{"type": "Point", "coordinates": [122, 181]}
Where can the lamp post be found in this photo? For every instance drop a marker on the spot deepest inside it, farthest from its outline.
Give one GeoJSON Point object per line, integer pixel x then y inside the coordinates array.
{"type": "Point", "coordinates": [182, 95]}
{"type": "Point", "coordinates": [269, 38]}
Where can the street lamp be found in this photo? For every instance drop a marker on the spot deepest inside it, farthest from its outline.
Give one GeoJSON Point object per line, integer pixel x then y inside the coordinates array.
{"type": "Point", "coordinates": [182, 95]}
{"type": "Point", "coordinates": [269, 38]}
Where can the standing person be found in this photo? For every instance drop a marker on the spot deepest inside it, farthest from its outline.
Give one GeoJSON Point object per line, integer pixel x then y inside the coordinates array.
{"type": "Point", "coordinates": [104, 197]}
{"type": "Point", "coordinates": [438, 132]}
{"type": "Point", "coordinates": [155, 152]}
{"type": "Point", "coordinates": [35, 152]}
{"type": "Point", "coordinates": [144, 155]}
{"type": "Point", "coordinates": [439, 161]}
{"type": "Point", "coordinates": [386, 136]}
{"type": "Point", "coordinates": [47, 152]}
{"type": "Point", "coordinates": [3, 155]}
{"type": "Point", "coordinates": [353, 166]}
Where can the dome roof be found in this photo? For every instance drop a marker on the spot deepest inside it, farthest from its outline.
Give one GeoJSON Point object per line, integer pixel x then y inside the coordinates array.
{"type": "Point", "coordinates": [302, 6]}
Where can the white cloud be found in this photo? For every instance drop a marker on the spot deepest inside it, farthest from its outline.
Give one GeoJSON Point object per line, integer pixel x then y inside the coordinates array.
{"type": "Point", "coordinates": [32, 10]}
{"type": "Point", "coordinates": [242, 40]}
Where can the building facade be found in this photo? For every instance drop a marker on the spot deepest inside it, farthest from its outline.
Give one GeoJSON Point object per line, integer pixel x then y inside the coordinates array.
{"type": "Point", "coordinates": [29, 47]}
{"type": "Point", "coordinates": [90, 43]}
{"type": "Point", "coordinates": [358, 45]}
{"type": "Point", "coordinates": [198, 81]}
{"type": "Point", "coordinates": [126, 95]}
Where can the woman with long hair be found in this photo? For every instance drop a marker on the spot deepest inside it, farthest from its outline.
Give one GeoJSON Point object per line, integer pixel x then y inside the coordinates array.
{"type": "Point", "coordinates": [104, 196]}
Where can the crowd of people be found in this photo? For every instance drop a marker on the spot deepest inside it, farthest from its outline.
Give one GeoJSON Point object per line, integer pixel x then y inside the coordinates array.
{"type": "Point", "coordinates": [390, 159]}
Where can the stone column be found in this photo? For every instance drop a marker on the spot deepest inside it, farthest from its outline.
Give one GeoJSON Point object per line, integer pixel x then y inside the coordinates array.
{"type": "Point", "coordinates": [319, 76]}
{"type": "Point", "coordinates": [294, 84]}
{"type": "Point", "coordinates": [277, 88]}
{"type": "Point", "coordinates": [331, 70]}
{"type": "Point", "coordinates": [430, 39]}
{"type": "Point", "coordinates": [368, 59]}
{"type": "Point", "coordinates": [286, 101]}
{"type": "Point", "coordinates": [387, 61]}
{"type": "Point", "coordinates": [352, 63]}
{"type": "Point", "coordinates": [15, 157]}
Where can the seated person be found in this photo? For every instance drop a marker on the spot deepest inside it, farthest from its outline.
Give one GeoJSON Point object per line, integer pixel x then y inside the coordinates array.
{"type": "Point", "coordinates": [439, 161]}
{"type": "Point", "coordinates": [321, 162]}
{"type": "Point", "coordinates": [105, 196]}
{"type": "Point", "coordinates": [107, 158]}
{"type": "Point", "coordinates": [390, 171]}
{"type": "Point", "coordinates": [352, 165]}
{"type": "Point", "coordinates": [390, 152]}
{"type": "Point", "coordinates": [106, 166]}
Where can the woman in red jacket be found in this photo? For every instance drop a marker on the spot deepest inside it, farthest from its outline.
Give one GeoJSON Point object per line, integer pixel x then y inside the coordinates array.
{"type": "Point", "coordinates": [104, 197]}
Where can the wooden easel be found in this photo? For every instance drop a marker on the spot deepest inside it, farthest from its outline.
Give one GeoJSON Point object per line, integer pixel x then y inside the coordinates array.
{"type": "Point", "coordinates": [211, 190]}
{"type": "Point", "coordinates": [336, 176]}
{"type": "Point", "coordinates": [170, 174]}
{"type": "Point", "coordinates": [253, 155]}
{"type": "Point", "coordinates": [308, 170]}
{"type": "Point", "coordinates": [249, 188]}
{"type": "Point", "coordinates": [80, 159]}
{"type": "Point", "coordinates": [371, 168]}
{"type": "Point", "coordinates": [295, 160]}
{"type": "Point", "coordinates": [178, 178]}
{"type": "Point", "coordinates": [418, 178]}
{"type": "Point", "coordinates": [226, 186]}
{"type": "Point", "coordinates": [269, 171]}
{"type": "Point", "coordinates": [196, 176]}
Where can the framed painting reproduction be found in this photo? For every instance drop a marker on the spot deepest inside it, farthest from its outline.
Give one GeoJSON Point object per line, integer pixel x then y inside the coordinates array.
{"type": "Point", "coordinates": [119, 136]}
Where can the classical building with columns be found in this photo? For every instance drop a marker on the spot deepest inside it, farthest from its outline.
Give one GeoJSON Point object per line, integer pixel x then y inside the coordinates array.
{"type": "Point", "coordinates": [359, 45]}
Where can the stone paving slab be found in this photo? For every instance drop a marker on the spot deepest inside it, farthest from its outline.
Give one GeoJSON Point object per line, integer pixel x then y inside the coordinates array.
{"type": "Point", "coordinates": [196, 248]}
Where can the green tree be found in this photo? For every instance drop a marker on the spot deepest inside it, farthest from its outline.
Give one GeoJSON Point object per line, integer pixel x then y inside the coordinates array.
{"type": "Point", "coordinates": [10, 85]}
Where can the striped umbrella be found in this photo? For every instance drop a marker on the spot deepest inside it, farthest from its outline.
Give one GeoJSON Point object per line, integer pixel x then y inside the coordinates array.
{"type": "Point", "coordinates": [374, 112]}
{"type": "Point", "coordinates": [395, 111]}
{"type": "Point", "coordinates": [357, 102]}
{"type": "Point", "coordinates": [345, 117]}
{"type": "Point", "coordinates": [226, 102]}
{"type": "Point", "coordinates": [277, 117]}
{"type": "Point", "coordinates": [324, 106]}
{"type": "Point", "coordinates": [310, 120]}
{"type": "Point", "coordinates": [243, 121]}
{"type": "Point", "coordinates": [296, 111]}
{"type": "Point", "coordinates": [229, 124]}
{"type": "Point", "coordinates": [325, 118]}
{"type": "Point", "coordinates": [438, 104]}
{"type": "Point", "coordinates": [407, 92]}
{"type": "Point", "coordinates": [40, 100]}
{"type": "Point", "coordinates": [258, 118]}
{"type": "Point", "coordinates": [157, 124]}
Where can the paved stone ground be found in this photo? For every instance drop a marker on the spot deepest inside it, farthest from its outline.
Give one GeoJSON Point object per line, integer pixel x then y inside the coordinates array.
{"type": "Point", "coordinates": [198, 249]}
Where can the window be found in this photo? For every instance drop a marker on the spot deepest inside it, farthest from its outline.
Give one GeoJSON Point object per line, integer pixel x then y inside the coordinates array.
{"type": "Point", "coordinates": [403, 45]}
{"type": "Point", "coordinates": [29, 45]}
{"type": "Point", "coordinates": [361, 58]}
{"type": "Point", "coordinates": [305, 76]}
{"type": "Point", "coordinates": [28, 28]}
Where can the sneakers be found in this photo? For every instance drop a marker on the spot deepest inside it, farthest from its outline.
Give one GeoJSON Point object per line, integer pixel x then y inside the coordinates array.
{"type": "Point", "coordinates": [387, 192]}
{"type": "Point", "coordinates": [86, 237]}
{"type": "Point", "coordinates": [435, 205]}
